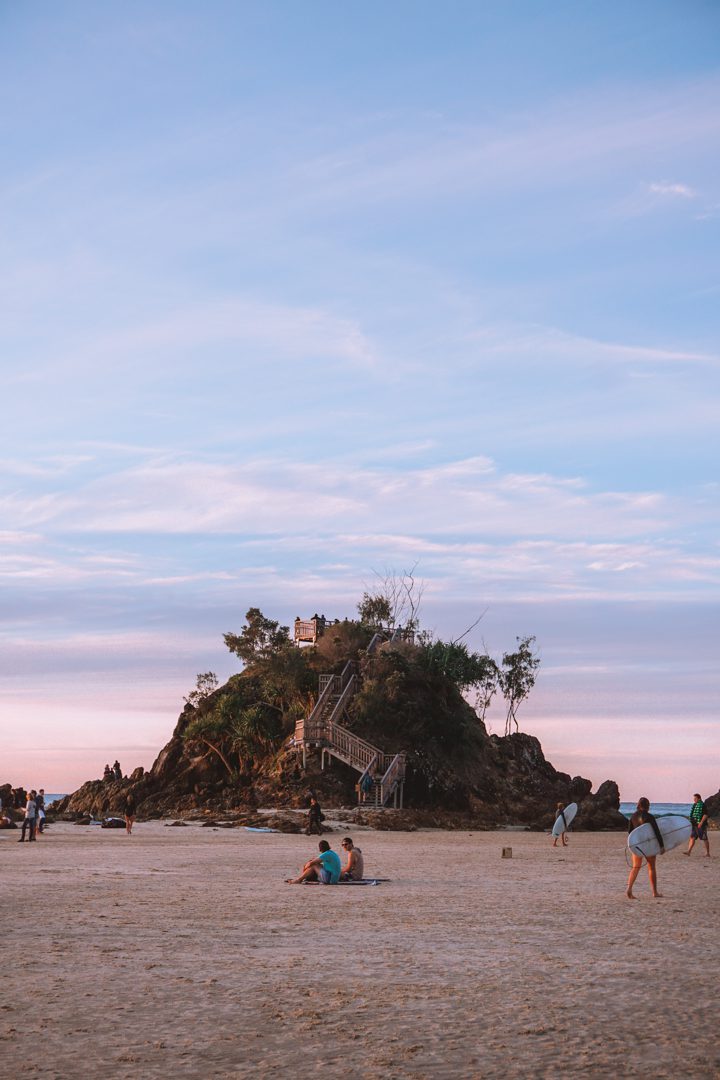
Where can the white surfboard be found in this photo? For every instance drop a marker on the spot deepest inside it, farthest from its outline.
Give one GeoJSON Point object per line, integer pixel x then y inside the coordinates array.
{"type": "Point", "coordinates": [675, 829]}
{"type": "Point", "coordinates": [561, 826]}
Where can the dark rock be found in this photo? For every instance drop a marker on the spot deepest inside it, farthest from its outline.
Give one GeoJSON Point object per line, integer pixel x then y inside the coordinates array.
{"type": "Point", "coordinates": [471, 779]}
{"type": "Point", "coordinates": [602, 810]}
{"type": "Point", "coordinates": [712, 806]}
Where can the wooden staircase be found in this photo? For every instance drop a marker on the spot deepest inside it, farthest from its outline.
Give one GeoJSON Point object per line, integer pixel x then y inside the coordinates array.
{"type": "Point", "coordinates": [323, 729]}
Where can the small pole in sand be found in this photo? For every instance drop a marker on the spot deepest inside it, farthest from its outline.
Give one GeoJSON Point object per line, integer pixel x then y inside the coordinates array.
{"type": "Point", "coordinates": [507, 853]}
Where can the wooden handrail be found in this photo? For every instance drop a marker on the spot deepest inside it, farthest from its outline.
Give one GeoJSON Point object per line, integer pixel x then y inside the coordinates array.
{"type": "Point", "coordinates": [322, 727]}
{"type": "Point", "coordinates": [339, 706]}
{"type": "Point", "coordinates": [359, 752]}
{"type": "Point", "coordinates": [325, 695]}
{"type": "Point", "coordinates": [394, 775]}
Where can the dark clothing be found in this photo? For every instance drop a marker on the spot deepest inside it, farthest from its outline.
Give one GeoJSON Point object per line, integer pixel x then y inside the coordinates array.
{"type": "Point", "coordinates": [641, 817]}
{"type": "Point", "coordinates": [130, 807]}
{"type": "Point", "coordinates": [315, 819]}
{"type": "Point", "coordinates": [697, 812]}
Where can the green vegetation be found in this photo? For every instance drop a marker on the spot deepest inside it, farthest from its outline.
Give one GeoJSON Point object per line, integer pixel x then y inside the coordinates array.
{"type": "Point", "coordinates": [413, 695]}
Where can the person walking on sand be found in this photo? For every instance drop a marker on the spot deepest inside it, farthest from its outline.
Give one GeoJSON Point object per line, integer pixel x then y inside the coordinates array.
{"type": "Point", "coordinates": [315, 818]}
{"type": "Point", "coordinates": [130, 810]}
{"type": "Point", "coordinates": [40, 812]}
{"type": "Point", "coordinates": [640, 817]}
{"type": "Point", "coordinates": [324, 868]}
{"type": "Point", "coordinates": [699, 819]}
{"type": "Point", "coordinates": [560, 812]}
{"type": "Point", "coordinates": [30, 818]}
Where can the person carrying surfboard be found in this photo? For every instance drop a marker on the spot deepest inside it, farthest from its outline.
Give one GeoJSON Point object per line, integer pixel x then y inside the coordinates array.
{"type": "Point", "coordinates": [560, 813]}
{"type": "Point", "coordinates": [642, 816]}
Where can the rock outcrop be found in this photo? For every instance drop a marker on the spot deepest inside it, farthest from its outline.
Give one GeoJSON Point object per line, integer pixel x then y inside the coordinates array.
{"type": "Point", "coordinates": [514, 784]}
{"type": "Point", "coordinates": [712, 807]}
{"type": "Point", "coordinates": [232, 749]}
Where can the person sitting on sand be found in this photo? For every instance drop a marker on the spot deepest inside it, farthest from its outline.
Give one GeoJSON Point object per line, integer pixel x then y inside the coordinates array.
{"type": "Point", "coordinates": [699, 818]}
{"type": "Point", "coordinates": [354, 867]}
{"type": "Point", "coordinates": [642, 815]}
{"type": "Point", "coordinates": [560, 812]}
{"type": "Point", "coordinates": [324, 868]}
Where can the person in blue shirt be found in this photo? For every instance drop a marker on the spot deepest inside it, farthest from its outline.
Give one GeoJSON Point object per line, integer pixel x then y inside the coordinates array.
{"type": "Point", "coordinates": [324, 868]}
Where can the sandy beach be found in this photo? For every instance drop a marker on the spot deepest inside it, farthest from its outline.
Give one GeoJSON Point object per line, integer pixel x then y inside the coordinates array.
{"type": "Point", "coordinates": [180, 952]}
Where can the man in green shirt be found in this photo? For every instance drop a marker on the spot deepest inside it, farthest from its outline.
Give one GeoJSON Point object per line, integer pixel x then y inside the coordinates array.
{"type": "Point", "coordinates": [699, 819]}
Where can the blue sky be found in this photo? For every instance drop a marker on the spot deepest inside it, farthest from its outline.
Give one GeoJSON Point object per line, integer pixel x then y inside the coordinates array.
{"type": "Point", "coordinates": [293, 293]}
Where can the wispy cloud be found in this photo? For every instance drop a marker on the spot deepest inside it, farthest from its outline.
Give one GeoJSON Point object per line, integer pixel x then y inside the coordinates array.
{"type": "Point", "coordinates": [546, 145]}
{"type": "Point", "coordinates": [665, 188]}
{"type": "Point", "coordinates": [467, 520]}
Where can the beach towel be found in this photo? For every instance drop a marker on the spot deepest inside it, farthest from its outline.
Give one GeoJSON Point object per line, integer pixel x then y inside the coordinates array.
{"type": "Point", "coordinates": [363, 881]}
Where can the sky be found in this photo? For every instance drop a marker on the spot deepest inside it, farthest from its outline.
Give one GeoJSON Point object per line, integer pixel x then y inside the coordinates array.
{"type": "Point", "coordinates": [292, 295]}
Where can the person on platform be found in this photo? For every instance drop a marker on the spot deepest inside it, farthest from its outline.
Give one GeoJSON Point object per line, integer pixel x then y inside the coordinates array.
{"type": "Point", "coordinates": [699, 819]}
{"type": "Point", "coordinates": [324, 868]}
{"type": "Point", "coordinates": [640, 817]}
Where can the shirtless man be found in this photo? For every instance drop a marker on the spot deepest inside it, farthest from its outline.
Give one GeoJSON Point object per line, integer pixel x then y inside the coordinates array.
{"type": "Point", "coordinates": [353, 868]}
{"type": "Point", "coordinates": [641, 815]}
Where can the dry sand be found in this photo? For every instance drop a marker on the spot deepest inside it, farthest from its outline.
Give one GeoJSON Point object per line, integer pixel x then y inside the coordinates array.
{"type": "Point", "coordinates": [180, 952]}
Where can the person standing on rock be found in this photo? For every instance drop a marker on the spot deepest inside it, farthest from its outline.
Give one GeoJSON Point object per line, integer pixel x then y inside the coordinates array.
{"type": "Point", "coordinates": [130, 811]}
{"type": "Point", "coordinates": [699, 819]}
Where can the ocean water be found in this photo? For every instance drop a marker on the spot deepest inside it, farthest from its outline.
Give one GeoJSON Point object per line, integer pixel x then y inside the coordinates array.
{"type": "Point", "coordinates": [629, 808]}
{"type": "Point", "coordinates": [50, 799]}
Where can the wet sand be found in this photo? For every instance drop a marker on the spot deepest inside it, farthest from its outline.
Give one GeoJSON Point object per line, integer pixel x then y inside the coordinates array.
{"type": "Point", "coordinates": [180, 952]}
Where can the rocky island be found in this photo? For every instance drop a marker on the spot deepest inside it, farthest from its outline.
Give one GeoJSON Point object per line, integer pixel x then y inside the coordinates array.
{"type": "Point", "coordinates": [332, 717]}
